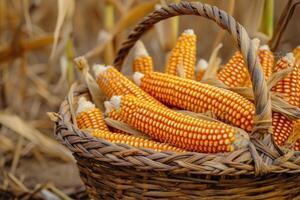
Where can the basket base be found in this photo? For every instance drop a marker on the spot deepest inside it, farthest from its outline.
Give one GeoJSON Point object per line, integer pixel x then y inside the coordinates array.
{"type": "Point", "coordinates": [105, 181]}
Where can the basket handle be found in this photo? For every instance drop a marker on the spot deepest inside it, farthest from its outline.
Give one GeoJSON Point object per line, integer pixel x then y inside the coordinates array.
{"type": "Point", "coordinates": [263, 119]}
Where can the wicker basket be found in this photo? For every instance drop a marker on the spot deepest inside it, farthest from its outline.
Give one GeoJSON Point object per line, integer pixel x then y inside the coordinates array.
{"type": "Point", "coordinates": [111, 171]}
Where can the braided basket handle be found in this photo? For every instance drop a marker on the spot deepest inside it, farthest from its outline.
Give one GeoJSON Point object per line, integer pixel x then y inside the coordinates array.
{"type": "Point", "coordinates": [262, 100]}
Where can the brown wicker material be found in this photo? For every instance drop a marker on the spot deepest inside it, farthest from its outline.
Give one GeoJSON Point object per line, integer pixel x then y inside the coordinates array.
{"type": "Point", "coordinates": [112, 171]}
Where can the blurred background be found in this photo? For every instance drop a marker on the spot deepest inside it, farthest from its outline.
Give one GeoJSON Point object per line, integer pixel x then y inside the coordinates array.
{"type": "Point", "coordinates": [39, 40]}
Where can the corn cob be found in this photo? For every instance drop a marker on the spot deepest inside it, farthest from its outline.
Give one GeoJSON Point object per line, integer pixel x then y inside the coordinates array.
{"type": "Point", "coordinates": [174, 128]}
{"type": "Point", "coordinates": [201, 68]}
{"type": "Point", "coordinates": [88, 116]}
{"type": "Point", "coordinates": [112, 82]}
{"type": "Point", "coordinates": [142, 61]}
{"type": "Point", "coordinates": [235, 74]}
{"type": "Point", "coordinates": [266, 59]}
{"type": "Point", "coordinates": [198, 97]}
{"type": "Point", "coordinates": [296, 129]}
{"type": "Point", "coordinates": [297, 145]}
{"type": "Point", "coordinates": [282, 128]}
{"type": "Point", "coordinates": [288, 88]}
{"type": "Point", "coordinates": [134, 141]}
{"type": "Point", "coordinates": [296, 52]}
{"type": "Point", "coordinates": [183, 56]}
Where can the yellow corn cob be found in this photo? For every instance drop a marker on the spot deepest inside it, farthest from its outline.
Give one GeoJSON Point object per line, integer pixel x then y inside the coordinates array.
{"type": "Point", "coordinates": [183, 56]}
{"type": "Point", "coordinates": [282, 128]}
{"type": "Point", "coordinates": [296, 52]}
{"type": "Point", "coordinates": [235, 74]}
{"type": "Point", "coordinates": [174, 128]}
{"type": "Point", "coordinates": [88, 116]}
{"type": "Point", "coordinates": [297, 145]}
{"type": "Point", "coordinates": [142, 61]}
{"type": "Point", "coordinates": [112, 82]}
{"type": "Point", "coordinates": [134, 141]}
{"type": "Point", "coordinates": [266, 59]}
{"type": "Point", "coordinates": [296, 129]}
{"type": "Point", "coordinates": [289, 89]}
{"type": "Point", "coordinates": [201, 69]}
{"type": "Point", "coordinates": [198, 97]}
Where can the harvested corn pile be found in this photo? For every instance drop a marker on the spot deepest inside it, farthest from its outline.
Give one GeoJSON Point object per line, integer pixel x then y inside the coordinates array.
{"type": "Point", "coordinates": [143, 103]}
{"type": "Point", "coordinates": [183, 56]}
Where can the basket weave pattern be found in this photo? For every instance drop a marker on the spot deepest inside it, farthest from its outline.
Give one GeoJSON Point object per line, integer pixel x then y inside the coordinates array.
{"type": "Point", "coordinates": [112, 171]}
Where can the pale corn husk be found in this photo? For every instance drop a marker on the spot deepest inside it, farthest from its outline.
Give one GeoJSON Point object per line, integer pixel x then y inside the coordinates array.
{"type": "Point", "coordinates": [70, 100]}
{"type": "Point", "coordinates": [124, 127]}
{"type": "Point", "coordinates": [97, 96]}
{"type": "Point", "coordinates": [213, 64]}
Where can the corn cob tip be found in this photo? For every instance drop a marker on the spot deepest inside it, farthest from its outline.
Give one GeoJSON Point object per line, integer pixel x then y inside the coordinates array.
{"type": "Point", "coordinates": [108, 107]}
{"type": "Point", "coordinates": [289, 57]}
{"type": "Point", "coordinates": [256, 42]}
{"type": "Point", "coordinates": [241, 140]}
{"type": "Point", "coordinates": [201, 65]}
{"type": "Point", "coordinates": [264, 47]}
{"type": "Point", "coordinates": [116, 101]}
{"type": "Point", "coordinates": [98, 69]}
{"type": "Point", "coordinates": [140, 49]}
{"type": "Point", "coordinates": [137, 77]}
{"type": "Point", "coordinates": [189, 32]}
{"type": "Point", "coordinates": [158, 6]}
{"type": "Point", "coordinates": [113, 104]}
{"type": "Point", "coordinates": [84, 105]}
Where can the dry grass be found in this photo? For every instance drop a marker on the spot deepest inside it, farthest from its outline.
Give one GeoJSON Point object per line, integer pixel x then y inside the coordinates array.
{"type": "Point", "coordinates": [38, 43]}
